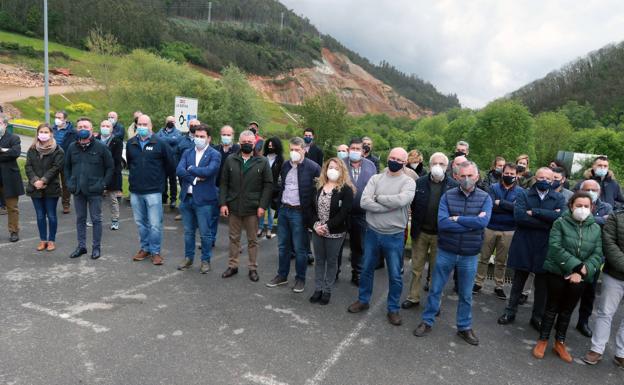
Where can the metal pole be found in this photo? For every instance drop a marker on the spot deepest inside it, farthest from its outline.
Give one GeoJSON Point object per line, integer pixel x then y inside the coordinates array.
{"type": "Point", "coordinates": [209, 11]}
{"type": "Point", "coordinates": [46, 77]}
{"type": "Point", "coordinates": [282, 22]}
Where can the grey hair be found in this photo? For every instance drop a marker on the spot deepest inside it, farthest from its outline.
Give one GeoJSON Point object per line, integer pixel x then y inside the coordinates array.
{"type": "Point", "coordinates": [465, 164]}
{"type": "Point", "coordinates": [463, 143]}
{"type": "Point", "coordinates": [246, 133]}
{"type": "Point", "coordinates": [297, 141]}
{"type": "Point", "coordinates": [62, 112]}
{"type": "Point", "coordinates": [589, 180]}
{"type": "Point", "coordinates": [4, 118]}
{"type": "Point", "coordinates": [439, 155]}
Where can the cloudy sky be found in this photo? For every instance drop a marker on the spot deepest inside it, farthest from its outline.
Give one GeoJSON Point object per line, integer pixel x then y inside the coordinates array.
{"type": "Point", "coordinates": [478, 49]}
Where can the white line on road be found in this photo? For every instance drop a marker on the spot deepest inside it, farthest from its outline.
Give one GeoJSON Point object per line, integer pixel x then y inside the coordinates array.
{"type": "Point", "coordinates": [126, 293]}
{"type": "Point", "coordinates": [66, 317]}
{"type": "Point", "coordinates": [262, 380]}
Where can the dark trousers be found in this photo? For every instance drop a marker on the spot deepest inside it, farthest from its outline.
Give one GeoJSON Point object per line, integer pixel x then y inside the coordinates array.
{"type": "Point", "coordinates": [561, 300]}
{"type": "Point", "coordinates": [587, 300]}
{"type": "Point", "coordinates": [539, 295]}
{"type": "Point", "coordinates": [94, 206]}
{"type": "Point", "coordinates": [357, 231]}
{"type": "Point", "coordinates": [172, 181]}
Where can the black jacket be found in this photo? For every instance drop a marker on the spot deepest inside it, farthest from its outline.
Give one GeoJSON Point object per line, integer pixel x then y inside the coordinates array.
{"type": "Point", "coordinates": [421, 200]}
{"type": "Point", "coordinates": [88, 170]}
{"type": "Point", "coordinates": [316, 154]}
{"type": "Point", "coordinates": [339, 209]}
{"type": "Point", "coordinates": [46, 168]}
{"type": "Point", "coordinates": [307, 173]}
{"type": "Point", "coordinates": [244, 191]}
{"type": "Point", "coordinates": [10, 178]}
{"type": "Point", "coordinates": [149, 165]}
{"type": "Point", "coordinates": [115, 146]}
{"type": "Point", "coordinates": [276, 168]}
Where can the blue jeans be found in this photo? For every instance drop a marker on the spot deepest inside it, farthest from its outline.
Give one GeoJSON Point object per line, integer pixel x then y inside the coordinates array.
{"type": "Point", "coordinates": [197, 217]}
{"type": "Point", "coordinates": [148, 216]}
{"type": "Point", "coordinates": [214, 222]}
{"type": "Point", "coordinates": [392, 245]}
{"type": "Point", "coordinates": [291, 234]}
{"type": "Point", "coordinates": [270, 214]}
{"type": "Point", "coordinates": [45, 208]}
{"type": "Point", "coordinates": [466, 270]}
{"type": "Point", "coordinates": [94, 204]}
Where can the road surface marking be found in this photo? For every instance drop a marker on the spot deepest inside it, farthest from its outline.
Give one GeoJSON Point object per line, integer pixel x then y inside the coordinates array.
{"type": "Point", "coordinates": [66, 317]}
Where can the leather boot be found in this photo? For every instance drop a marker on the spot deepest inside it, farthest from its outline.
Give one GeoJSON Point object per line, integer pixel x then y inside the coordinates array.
{"type": "Point", "coordinates": [561, 350]}
{"type": "Point", "coordinates": [540, 349]}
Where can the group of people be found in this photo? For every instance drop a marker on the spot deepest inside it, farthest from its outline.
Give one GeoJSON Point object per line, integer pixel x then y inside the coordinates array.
{"type": "Point", "coordinates": [554, 238]}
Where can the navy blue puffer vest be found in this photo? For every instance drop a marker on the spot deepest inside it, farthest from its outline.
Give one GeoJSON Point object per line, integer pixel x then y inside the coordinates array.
{"type": "Point", "coordinates": [468, 243]}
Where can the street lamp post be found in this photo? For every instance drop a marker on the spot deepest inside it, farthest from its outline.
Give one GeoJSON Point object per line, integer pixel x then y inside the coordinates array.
{"type": "Point", "coordinates": [46, 77]}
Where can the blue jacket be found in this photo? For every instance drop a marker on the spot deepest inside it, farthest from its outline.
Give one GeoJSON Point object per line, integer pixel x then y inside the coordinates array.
{"type": "Point", "coordinates": [529, 245]}
{"type": "Point", "coordinates": [119, 130]}
{"type": "Point", "coordinates": [464, 236]}
{"type": "Point", "coordinates": [610, 191]}
{"type": "Point", "coordinates": [70, 135]}
{"type": "Point", "coordinates": [602, 209]}
{"type": "Point", "coordinates": [172, 138]}
{"type": "Point", "coordinates": [205, 191]}
{"type": "Point", "coordinates": [421, 200]}
{"type": "Point", "coordinates": [307, 173]}
{"type": "Point", "coordinates": [368, 169]}
{"type": "Point", "coordinates": [185, 143]}
{"type": "Point", "coordinates": [146, 165]}
{"type": "Point", "coordinates": [503, 213]}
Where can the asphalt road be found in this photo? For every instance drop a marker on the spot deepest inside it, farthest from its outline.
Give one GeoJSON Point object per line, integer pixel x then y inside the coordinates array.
{"type": "Point", "coordinates": [114, 321]}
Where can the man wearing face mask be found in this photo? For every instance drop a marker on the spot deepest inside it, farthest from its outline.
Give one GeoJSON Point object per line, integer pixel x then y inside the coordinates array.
{"type": "Point", "coordinates": [500, 230]}
{"type": "Point", "coordinates": [610, 191]}
{"type": "Point", "coordinates": [259, 141]}
{"type": "Point", "coordinates": [367, 151]}
{"type": "Point", "coordinates": [386, 199]}
{"type": "Point", "coordinates": [171, 136]}
{"type": "Point", "coordinates": [11, 186]}
{"type": "Point", "coordinates": [496, 172]}
{"type": "Point", "coordinates": [245, 194]}
{"type": "Point", "coordinates": [132, 126]}
{"type": "Point", "coordinates": [462, 148]}
{"type": "Point", "coordinates": [535, 211]}
{"type": "Point", "coordinates": [559, 179]}
{"type": "Point", "coordinates": [64, 135]}
{"type": "Point", "coordinates": [342, 152]}
{"type": "Point", "coordinates": [149, 160]}
{"type": "Point", "coordinates": [462, 217]}
{"type": "Point", "coordinates": [198, 171]}
{"type": "Point", "coordinates": [297, 192]}
{"type": "Point", "coordinates": [312, 152]}
{"type": "Point", "coordinates": [186, 142]}
{"type": "Point", "coordinates": [424, 231]}
{"type": "Point", "coordinates": [118, 129]}
{"type": "Point", "coordinates": [360, 171]}
{"type": "Point", "coordinates": [601, 211]}
{"type": "Point", "coordinates": [113, 189]}
{"type": "Point", "coordinates": [89, 169]}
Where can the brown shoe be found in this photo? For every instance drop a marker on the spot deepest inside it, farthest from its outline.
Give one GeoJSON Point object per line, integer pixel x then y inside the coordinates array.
{"type": "Point", "coordinates": [157, 259]}
{"type": "Point", "coordinates": [619, 362]}
{"type": "Point", "coordinates": [51, 246]}
{"type": "Point", "coordinates": [395, 318]}
{"type": "Point", "coordinates": [42, 246]}
{"type": "Point", "coordinates": [592, 358]}
{"type": "Point", "coordinates": [540, 349]}
{"type": "Point", "coordinates": [140, 255]}
{"type": "Point", "coordinates": [357, 307]}
{"type": "Point", "coordinates": [561, 350]}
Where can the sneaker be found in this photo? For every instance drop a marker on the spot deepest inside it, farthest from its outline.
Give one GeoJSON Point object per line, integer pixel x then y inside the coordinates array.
{"type": "Point", "coordinates": [269, 234]}
{"type": "Point", "coordinates": [500, 293]}
{"type": "Point", "coordinates": [277, 281]}
{"type": "Point", "coordinates": [185, 265]}
{"type": "Point", "coordinates": [476, 288]}
{"type": "Point", "coordinates": [115, 225]}
{"type": "Point", "coordinates": [89, 224]}
{"type": "Point", "coordinates": [204, 267]}
{"type": "Point", "coordinates": [260, 233]}
{"type": "Point", "coordinates": [299, 286]}
{"type": "Point", "coordinates": [178, 217]}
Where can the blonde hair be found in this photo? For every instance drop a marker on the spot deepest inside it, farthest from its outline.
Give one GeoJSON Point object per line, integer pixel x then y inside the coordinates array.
{"type": "Point", "coordinates": [343, 179]}
{"type": "Point", "coordinates": [39, 127]}
{"type": "Point", "coordinates": [415, 154]}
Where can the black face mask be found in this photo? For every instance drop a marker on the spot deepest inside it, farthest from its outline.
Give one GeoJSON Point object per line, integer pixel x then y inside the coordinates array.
{"type": "Point", "coordinates": [509, 180]}
{"type": "Point", "coordinates": [247, 148]}
{"type": "Point", "coordinates": [520, 168]}
{"type": "Point", "coordinates": [366, 148]}
{"type": "Point", "coordinates": [170, 125]}
{"type": "Point", "coordinates": [192, 129]}
{"type": "Point", "coordinates": [253, 129]}
{"type": "Point", "coordinates": [270, 150]}
{"type": "Point", "coordinates": [459, 153]}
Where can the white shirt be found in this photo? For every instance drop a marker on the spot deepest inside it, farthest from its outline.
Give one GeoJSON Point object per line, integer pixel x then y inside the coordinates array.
{"type": "Point", "coordinates": [271, 158]}
{"type": "Point", "coordinates": [542, 195]}
{"type": "Point", "coordinates": [198, 155]}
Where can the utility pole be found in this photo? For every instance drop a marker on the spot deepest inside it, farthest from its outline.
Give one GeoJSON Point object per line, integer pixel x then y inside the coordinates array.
{"type": "Point", "coordinates": [46, 76]}
{"type": "Point", "coordinates": [209, 11]}
{"type": "Point", "coordinates": [282, 22]}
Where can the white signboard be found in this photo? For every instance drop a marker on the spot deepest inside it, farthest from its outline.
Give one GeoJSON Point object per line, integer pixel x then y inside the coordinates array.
{"type": "Point", "coordinates": [185, 109]}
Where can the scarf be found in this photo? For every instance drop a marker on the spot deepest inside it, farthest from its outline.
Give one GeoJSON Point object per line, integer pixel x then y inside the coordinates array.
{"type": "Point", "coordinates": [45, 149]}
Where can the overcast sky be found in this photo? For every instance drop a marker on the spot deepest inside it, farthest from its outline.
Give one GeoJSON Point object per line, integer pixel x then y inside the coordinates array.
{"type": "Point", "coordinates": [478, 49]}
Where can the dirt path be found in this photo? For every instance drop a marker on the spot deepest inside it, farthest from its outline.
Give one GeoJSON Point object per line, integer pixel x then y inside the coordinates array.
{"type": "Point", "coordinates": [13, 93]}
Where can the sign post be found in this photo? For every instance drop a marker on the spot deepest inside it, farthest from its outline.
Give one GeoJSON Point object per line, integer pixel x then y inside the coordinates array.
{"type": "Point", "coordinates": [185, 109]}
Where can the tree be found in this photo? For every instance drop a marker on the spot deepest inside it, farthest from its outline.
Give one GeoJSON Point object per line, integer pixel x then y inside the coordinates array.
{"type": "Point", "coordinates": [461, 124]}
{"type": "Point", "coordinates": [327, 115]}
{"type": "Point", "coordinates": [504, 128]}
{"type": "Point", "coordinates": [107, 48]}
{"type": "Point", "coordinates": [553, 132]}
{"type": "Point", "coordinates": [241, 101]}
{"type": "Point", "coordinates": [579, 115]}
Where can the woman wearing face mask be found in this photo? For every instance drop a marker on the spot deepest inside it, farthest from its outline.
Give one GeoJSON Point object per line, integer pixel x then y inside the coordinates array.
{"type": "Point", "coordinates": [332, 206]}
{"type": "Point", "coordinates": [44, 162]}
{"type": "Point", "coordinates": [496, 171]}
{"type": "Point", "coordinates": [525, 177]}
{"type": "Point", "coordinates": [415, 162]}
{"type": "Point", "coordinates": [273, 152]}
{"type": "Point", "coordinates": [574, 256]}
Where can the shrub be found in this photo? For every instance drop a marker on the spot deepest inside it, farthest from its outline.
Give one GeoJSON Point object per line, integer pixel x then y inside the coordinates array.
{"type": "Point", "coordinates": [80, 108]}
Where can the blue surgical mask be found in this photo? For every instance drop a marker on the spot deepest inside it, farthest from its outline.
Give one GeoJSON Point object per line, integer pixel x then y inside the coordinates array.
{"type": "Point", "coordinates": [355, 156]}
{"type": "Point", "coordinates": [142, 131]}
{"type": "Point", "coordinates": [342, 154]}
{"type": "Point", "coordinates": [200, 143]}
{"type": "Point", "coordinates": [227, 140]}
{"type": "Point", "coordinates": [307, 139]}
{"type": "Point", "coordinates": [543, 185]}
{"type": "Point", "coordinates": [601, 172]}
{"type": "Point", "coordinates": [84, 134]}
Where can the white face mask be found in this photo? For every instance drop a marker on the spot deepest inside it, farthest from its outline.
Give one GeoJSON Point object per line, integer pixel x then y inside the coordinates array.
{"type": "Point", "coordinates": [58, 122]}
{"type": "Point", "coordinates": [437, 172]}
{"type": "Point", "coordinates": [581, 213]}
{"type": "Point", "coordinates": [593, 195]}
{"type": "Point", "coordinates": [333, 174]}
{"type": "Point", "coordinates": [112, 120]}
{"type": "Point", "coordinates": [414, 165]}
{"type": "Point", "coordinates": [295, 156]}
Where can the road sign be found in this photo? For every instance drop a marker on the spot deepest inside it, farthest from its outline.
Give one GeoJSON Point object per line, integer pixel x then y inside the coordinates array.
{"type": "Point", "coordinates": [185, 109]}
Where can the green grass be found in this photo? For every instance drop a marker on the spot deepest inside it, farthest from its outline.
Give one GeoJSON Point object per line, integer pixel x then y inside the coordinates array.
{"type": "Point", "coordinates": [74, 53]}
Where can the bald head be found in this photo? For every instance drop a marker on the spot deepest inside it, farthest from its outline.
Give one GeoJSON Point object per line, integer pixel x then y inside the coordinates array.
{"type": "Point", "coordinates": [398, 154]}
{"type": "Point", "coordinates": [544, 173]}
{"type": "Point", "coordinates": [590, 185]}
